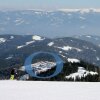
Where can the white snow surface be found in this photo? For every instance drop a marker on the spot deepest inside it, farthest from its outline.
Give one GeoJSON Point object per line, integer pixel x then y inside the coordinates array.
{"type": "Point", "coordinates": [88, 36]}
{"type": "Point", "coordinates": [36, 37]}
{"type": "Point", "coordinates": [27, 43]}
{"type": "Point", "coordinates": [82, 11]}
{"type": "Point", "coordinates": [97, 58]}
{"type": "Point", "coordinates": [80, 73]}
{"type": "Point", "coordinates": [39, 90]}
{"type": "Point", "coordinates": [67, 48]}
{"type": "Point", "coordinates": [10, 57]}
{"type": "Point", "coordinates": [82, 18]}
{"type": "Point", "coordinates": [21, 46]}
{"type": "Point", "coordinates": [73, 60]}
{"type": "Point", "coordinates": [20, 22]}
{"type": "Point", "coordinates": [51, 44]}
{"type": "Point", "coordinates": [11, 37]}
{"type": "Point", "coordinates": [2, 40]}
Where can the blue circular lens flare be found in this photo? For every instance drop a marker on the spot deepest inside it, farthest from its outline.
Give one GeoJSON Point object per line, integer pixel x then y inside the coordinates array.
{"type": "Point", "coordinates": [28, 63]}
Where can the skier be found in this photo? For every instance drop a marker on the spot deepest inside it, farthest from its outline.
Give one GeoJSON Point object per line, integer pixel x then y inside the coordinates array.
{"type": "Point", "coordinates": [13, 74]}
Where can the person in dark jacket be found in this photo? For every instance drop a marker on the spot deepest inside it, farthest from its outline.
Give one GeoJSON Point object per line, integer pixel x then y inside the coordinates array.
{"type": "Point", "coordinates": [13, 74]}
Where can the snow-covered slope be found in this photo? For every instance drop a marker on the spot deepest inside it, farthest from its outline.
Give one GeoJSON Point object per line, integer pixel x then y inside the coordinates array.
{"type": "Point", "coordinates": [37, 38]}
{"type": "Point", "coordinates": [26, 44]}
{"type": "Point", "coordinates": [72, 60]}
{"type": "Point", "coordinates": [18, 90]}
{"type": "Point", "coordinates": [2, 40]}
{"type": "Point", "coordinates": [51, 44]}
{"type": "Point", "coordinates": [81, 73]}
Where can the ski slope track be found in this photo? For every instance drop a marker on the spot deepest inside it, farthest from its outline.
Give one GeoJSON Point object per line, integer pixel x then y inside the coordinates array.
{"type": "Point", "coordinates": [39, 90]}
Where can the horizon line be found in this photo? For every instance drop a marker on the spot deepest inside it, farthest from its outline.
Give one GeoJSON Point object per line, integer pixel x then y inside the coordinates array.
{"type": "Point", "coordinates": [42, 9]}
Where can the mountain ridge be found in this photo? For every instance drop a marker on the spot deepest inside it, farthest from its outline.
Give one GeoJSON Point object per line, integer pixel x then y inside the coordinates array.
{"type": "Point", "coordinates": [19, 47]}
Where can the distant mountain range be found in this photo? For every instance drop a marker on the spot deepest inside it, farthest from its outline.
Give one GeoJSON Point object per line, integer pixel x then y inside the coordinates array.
{"type": "Point", "coordinates": [14, 49]}
{"type": "Point", "coordinates": [91, 38]}
{"type": "Point", "coordinates": [62, 22]}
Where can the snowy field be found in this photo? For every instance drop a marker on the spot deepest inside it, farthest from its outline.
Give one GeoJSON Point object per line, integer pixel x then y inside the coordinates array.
{"type": "Point", "coordinates": [34, 90]}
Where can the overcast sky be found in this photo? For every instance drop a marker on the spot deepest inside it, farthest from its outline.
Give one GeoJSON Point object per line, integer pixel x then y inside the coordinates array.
{"type": "Point", "coordinates": [48, 4]}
